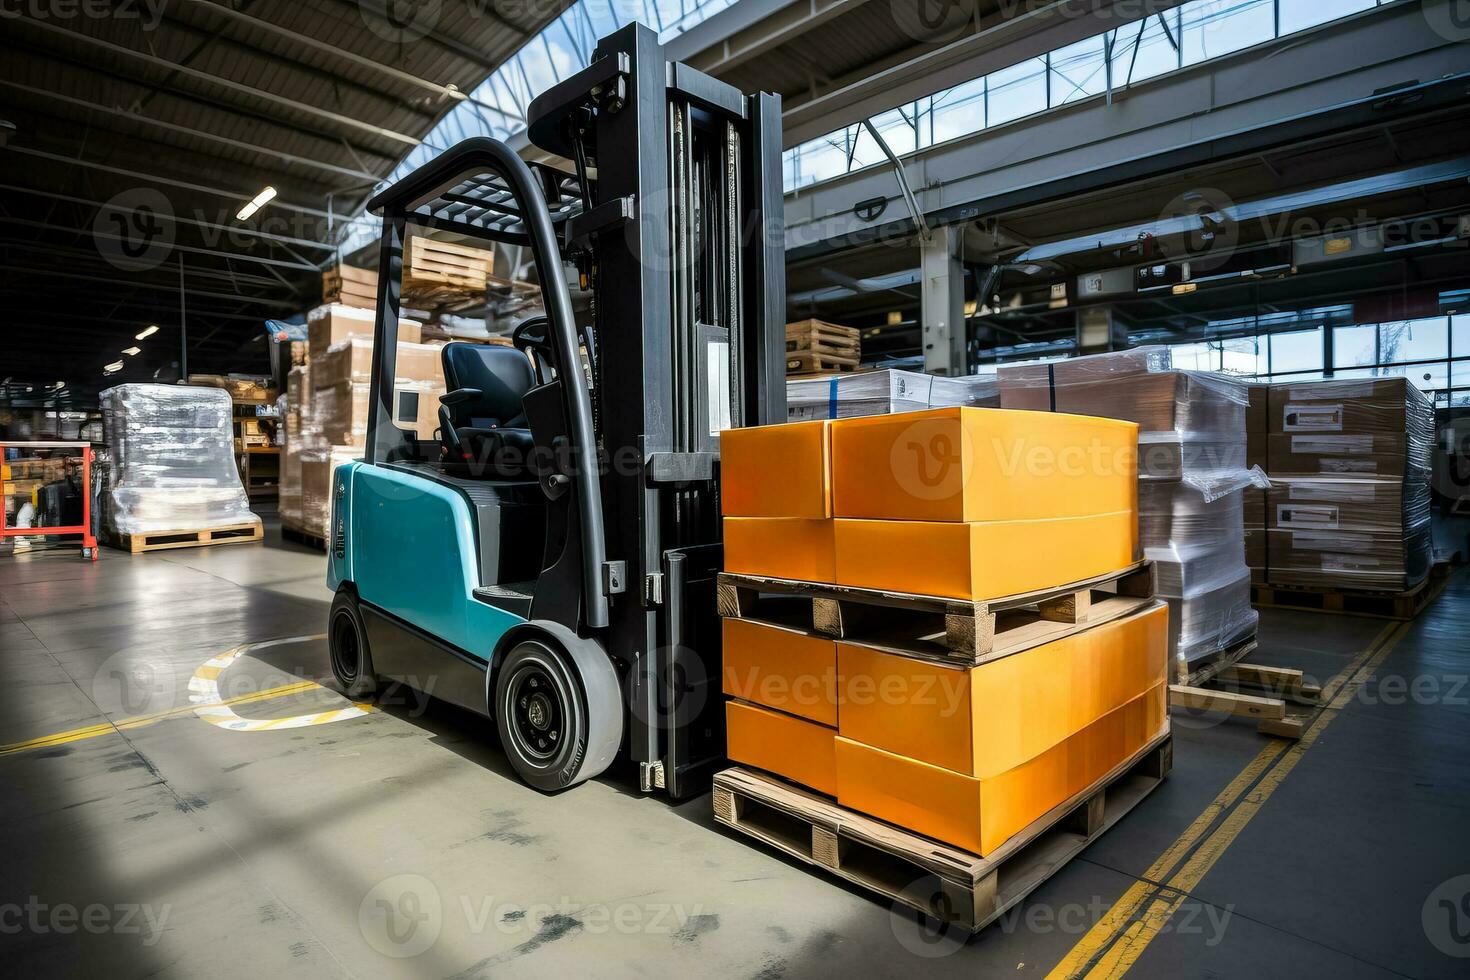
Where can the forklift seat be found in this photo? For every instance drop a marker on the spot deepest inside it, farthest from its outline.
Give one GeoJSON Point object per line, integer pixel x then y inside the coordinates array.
{"type": "Point", "coordinates": [482, 423]}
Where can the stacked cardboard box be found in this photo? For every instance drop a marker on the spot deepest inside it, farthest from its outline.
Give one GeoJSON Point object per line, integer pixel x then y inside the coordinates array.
{"type": "Point", "coordinates": [1192, 455]}
{"type": "Point", "coordinates": [1349, 505]}
{"type": "Point", "coordinates": [961, 503]}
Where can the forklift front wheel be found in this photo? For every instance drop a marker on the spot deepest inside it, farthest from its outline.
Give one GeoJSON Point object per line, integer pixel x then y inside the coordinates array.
{"type": "Point", "coordinates": [558, 725]}
{"type": "Point", "coordinates": [352, 661]}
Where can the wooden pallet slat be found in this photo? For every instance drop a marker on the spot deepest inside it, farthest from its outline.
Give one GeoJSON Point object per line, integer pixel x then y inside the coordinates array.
{"type": "Point", "coordinates": [941, 881]}
{"type": "Point", "coordinates": [814, 363]}
{"type": "Point", "coordinates": [955, 631]}
{"type": "Point", "coordinates": [1194, 688]}
{"type": "Point", "coordinates": [191, 538]}
{"type": "Point", "coordinates": [1403, 605]}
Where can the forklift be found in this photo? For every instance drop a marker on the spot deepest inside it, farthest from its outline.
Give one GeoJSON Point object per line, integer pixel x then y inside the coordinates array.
{"type": "Point", "coordinates": [549, 560]}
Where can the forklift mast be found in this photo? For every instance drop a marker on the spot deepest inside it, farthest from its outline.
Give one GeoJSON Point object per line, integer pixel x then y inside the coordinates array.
{"type": "Point", "coordinates": [680, 239]}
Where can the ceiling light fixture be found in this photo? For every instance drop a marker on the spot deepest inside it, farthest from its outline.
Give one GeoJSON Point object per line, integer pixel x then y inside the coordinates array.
{"type": "Point", "coordinates": [130, 351]}
{"type": "Point", "coordinates": [256, 203]}
{"type": "Point", "coordinates": [147, 333]}
{"type": "Point", "coordinates": [112, 368]}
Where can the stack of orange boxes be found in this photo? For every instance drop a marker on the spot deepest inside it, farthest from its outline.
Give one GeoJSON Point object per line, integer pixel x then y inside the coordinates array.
{"type": "Point", "coordinates": [966, 504]}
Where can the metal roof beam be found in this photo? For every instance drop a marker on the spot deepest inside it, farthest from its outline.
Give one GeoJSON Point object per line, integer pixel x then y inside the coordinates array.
{"type": "Point", "coordinates": [166, 287]}
{"type": "Point", "coordinates": [225, 83]}
{"type": "Point", "coordinates": [232, 229]}
{"type": "Point", "coordinates": [192, 250]}
{"type": "Point", "coordinates": [189, 131]}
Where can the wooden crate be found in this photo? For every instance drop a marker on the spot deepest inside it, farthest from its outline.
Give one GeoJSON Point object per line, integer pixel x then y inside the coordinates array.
{"type": "Point", "coordinates": [163, 540]}
{"type": "Point", "coordinates": [436, 263]}
{"type": "Point", "coordinates": [953, 631]}
{"type": "Point", "coordinates": [1382, 605]}
{"type": "Point", "coordinates": [950, 885]}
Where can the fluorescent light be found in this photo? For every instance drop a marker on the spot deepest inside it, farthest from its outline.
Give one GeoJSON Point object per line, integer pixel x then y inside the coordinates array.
{"type": "Point", "coordinates": [59, 385]}
{"type": "Point", "coordinates": [130, 351]}
{"type": "Point", "coordinates": [147, 333]}
{"type": "Point", "coordinates": [110, 368]}
{"type": "Point", "coordinates": [256, 203]}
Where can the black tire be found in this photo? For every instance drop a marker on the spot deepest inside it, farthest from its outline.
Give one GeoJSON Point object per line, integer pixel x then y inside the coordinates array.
{"type": "Point", "coordinates": [558, 711]}
{"type": "Point", "coordinates": [347, 643]}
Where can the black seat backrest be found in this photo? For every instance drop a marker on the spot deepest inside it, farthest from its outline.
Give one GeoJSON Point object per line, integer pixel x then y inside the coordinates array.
{"type": "Point", "coordinates": [502, 374]}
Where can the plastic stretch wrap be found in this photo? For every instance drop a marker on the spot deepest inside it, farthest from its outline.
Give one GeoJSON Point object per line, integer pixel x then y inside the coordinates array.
{"type": "Point", "coordinates": [171, 465]}
{"type": "Point", "coordinates": [1350, 503]}
{"type": "Point", "coordinates": [1192, 469]}
{"type": "Point", "coordinates": [317, 465]}
{"type": "Point", "coordinates": [884, 392]}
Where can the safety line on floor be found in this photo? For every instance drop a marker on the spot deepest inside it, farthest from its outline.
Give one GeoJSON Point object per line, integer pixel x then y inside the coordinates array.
{"type": "Point", "coordinates": [1120, 937]}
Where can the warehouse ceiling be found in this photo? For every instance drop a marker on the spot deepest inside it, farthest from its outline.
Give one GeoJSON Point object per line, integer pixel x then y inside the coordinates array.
{"type": "Point", "coordinates": [134, 131]}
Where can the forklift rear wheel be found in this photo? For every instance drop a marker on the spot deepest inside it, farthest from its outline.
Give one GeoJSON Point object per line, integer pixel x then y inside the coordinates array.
{"type": "Point", "coordinates": [556, 724]}
{"type": "Point", "coordinates": [352, 661]}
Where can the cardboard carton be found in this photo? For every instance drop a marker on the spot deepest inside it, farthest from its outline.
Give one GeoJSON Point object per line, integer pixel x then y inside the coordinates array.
{"type": "Point", "coordinates": [799, 750]}
{"type": "Point", "coordinates": [971, 464]}
{"type": "Point", "coordinates": [981, 560]}
{"type": "Point", "coordinates": [787, 669]}
{"type": "Point", "coordinates": [332, 323]}
{"type": "Point", "coordinates": [780, 547]}
{"type": "Point", "coordinates": [776, 471]}
{"type": "Point", "coordinates": [983, 721]}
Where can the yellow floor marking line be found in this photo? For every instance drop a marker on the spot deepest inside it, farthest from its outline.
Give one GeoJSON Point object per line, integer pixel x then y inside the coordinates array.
{"type": "Point", "coordinates": [1122, 934]}
{"type": "Point", "coordinates": [213, 707]}
{"type": "Point", "coordinates": [139, 721]}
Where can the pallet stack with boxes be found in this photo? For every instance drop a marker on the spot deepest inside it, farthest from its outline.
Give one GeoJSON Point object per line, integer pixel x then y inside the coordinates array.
{"type": "Point", "coordinates": [1192, 469]}
{"type": "Point", "coordinates": [884, 391]}
{"type": "Point", "coordinates": [937, 619]}
{"type": "Point", "coordinates": [327, 401]}
{"type": "Point", "coordinates": [1349, 504]}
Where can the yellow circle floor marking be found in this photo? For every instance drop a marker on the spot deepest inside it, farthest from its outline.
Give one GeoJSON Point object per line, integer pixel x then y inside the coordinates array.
{"type": "Point", "coordinates": [214, 708]}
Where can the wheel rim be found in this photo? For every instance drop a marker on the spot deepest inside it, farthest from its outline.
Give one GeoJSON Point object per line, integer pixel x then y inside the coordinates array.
{"type": "Point", "coordinates": [346, 650]}
{"type": "Point", "coordinates": [538, 715]}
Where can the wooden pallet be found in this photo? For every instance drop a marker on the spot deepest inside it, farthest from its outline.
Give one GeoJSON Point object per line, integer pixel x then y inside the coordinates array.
{"type": "Point", "coordinates": [830, 339]}
{"type": "Point", "coordinates": [164, 540]}
{"type": "Point", "coordinates": [1198, 687]}
{"type": "Point", "coordinates": [301, 535]}
{"type": "Point", "coordinates": [811, 363]}
{"type": "Point", "coordinates": [943, 882]}
{"type": "Point", "coordinates": [953, 631]}
{"type": "Point", "coordinates": [1382, 605]}
{"type": "Point", "coordinates": [350, 286]}
{"type": "Point", "coordinates": [431, 262]}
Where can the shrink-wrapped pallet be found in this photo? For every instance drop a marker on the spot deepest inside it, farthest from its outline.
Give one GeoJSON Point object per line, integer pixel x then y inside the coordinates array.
{"type": "Point", "coordinates": [884, 392]}
{"type": "Point", "coordinates": [171, 463]}
{"type": "Point", "coordinates": [1193, 476]}
{"type": "Point", "coordinates": [1350, 504]}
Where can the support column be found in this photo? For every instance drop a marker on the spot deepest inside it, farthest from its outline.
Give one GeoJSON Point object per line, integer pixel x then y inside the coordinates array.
{"type": "Point", "coordinates": [942, 304]}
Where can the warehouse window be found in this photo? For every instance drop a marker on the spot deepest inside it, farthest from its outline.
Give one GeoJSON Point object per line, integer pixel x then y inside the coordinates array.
{"type": "Point", "coordinates": [1413, 340]}
{"type": "Point", "coordinates": [1299, 350]}
{"type": "Point", "coordinates": [1158, 43]}
{"type": "Point", "coordinates": [1354, 346]}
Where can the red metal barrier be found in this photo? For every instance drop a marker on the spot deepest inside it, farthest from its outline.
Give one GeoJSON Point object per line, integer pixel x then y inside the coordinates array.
{"type": "Point", "coordinates": [89, 541]}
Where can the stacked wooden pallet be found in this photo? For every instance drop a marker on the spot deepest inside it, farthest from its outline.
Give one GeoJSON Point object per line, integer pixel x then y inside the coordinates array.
{"type": "Point", "coordinates": [432, 264]}
{"type": "Point", "coordinates": [948, 672]}
{"type": "Point", "coordinates": [818, 347]}
{"type": "Point", "coordinates": [350, 286]}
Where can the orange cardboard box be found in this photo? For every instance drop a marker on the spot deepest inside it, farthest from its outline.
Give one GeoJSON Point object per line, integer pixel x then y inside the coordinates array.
{"type": "Point", "coordinates": [802, 751]}
{"type": "Point", "coordinates": [980, 560]}
{"type": "Point", "coordinates": [780, 668]}
{"type": "Point", "coordinates": [776, 470]}
{"type": "Point", "coordinates": [981, 814]}
{"type": "Point", "coordinates": [780, 547]}
{"type": "Point", "coordinates": [982, 464]}
{"type": "Point", "coordinates": [983, 721]}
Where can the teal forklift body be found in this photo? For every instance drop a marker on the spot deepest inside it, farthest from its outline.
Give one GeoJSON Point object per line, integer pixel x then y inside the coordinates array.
{"type": "Point", "coordinates": [408, 547]}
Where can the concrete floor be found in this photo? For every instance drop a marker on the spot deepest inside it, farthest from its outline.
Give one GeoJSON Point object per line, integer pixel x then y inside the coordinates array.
{"type": "Point", "coordinates": [181, 848]}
